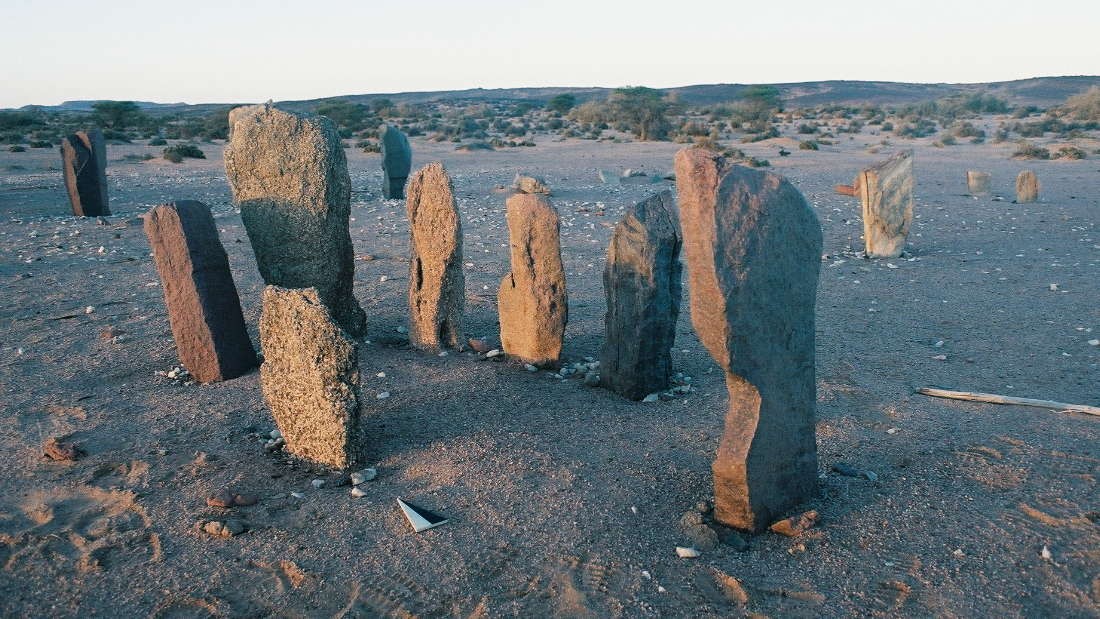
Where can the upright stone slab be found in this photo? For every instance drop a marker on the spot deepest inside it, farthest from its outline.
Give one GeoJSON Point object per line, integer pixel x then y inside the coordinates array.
{"type": "Point", "coordinates": [753, 249]}
{"type": "Point", "coordinates": [203, 307]}
{"type": "Point", "coordinates": [532, 301]}
{"type": "Point", "coordinates": [84, 168]}
{"type": "Point", "coordinates": [1027, 187]}
{"type": "Point", "coordinates": [437, 287]}
{"type": "Point", "coordinates": [977, 183]}
{"type": "Point", "coordinates": [290, 178]}
{"type": "Point", "coordinates": [310, 377]}
{"type": "Point", "coordinates": [396, 162]}
{"type": "Point", "coordinates": [642, 284]}
{"type": "Point", "coordinates": [886, 191]}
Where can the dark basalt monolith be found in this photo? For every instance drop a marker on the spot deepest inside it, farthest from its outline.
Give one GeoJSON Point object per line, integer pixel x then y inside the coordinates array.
{"type": "Point", "coordinates": [396, 162]}
{"type": "Point", "coordinates": [84, 166]}
{"type": "Point", "coordinates": [203, 307]}
{"type": "Point", "coordinates": [289, 175]}
{"type": "Point", "coordinates": [642, 284]}
{"type": "Point", "coordinates": [437, 293]}
{"type": "Point", "coordinates": [753, 249]}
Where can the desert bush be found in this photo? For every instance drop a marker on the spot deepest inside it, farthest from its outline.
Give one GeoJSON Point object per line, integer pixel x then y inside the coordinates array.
{"type": "Point", "coordinates": [807, 145]}
{"type": "Point", "coordinates": [158, 142]}
{"type": "Point", "coordinates": [1084, 106]}
{"type": "Point", "coordinates": [16, 148]}
{"type": "Point", "coordinates": [141, 157]}
{"type": "Point", "coordinates": [1023, 111]}
{"type": "Point", "coordinates": [643, 111]}
{"type": "Point", "coordinates": [887, 126]}
{"type": "Point", "coordinates": [177, 153]}
{"type": "Point", "coordinates": [946, 139]}
{"type": "Point", "coordinates": [966, 129]}
{"type": "Point", "coordinates": [770, 132]}
{"type": "Point", "coordinates": [1070, 152]}
{"type": "Point", "coordinates": [116, 135]}
{"type": "Point", "coordinates": [1027, 150]}
{"type": "Point", "coordinates": [807, 128]}
{"type": "Point", "coordinates": [562, 103]}
{"type": "Point", "coordinates": [118, 115]}
{"type": "Point", "coordinates": [920, 128]}
{"type": "Point", "coordinates": [41, 144]}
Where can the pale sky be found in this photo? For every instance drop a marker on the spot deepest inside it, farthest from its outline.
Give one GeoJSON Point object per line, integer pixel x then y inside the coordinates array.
{"type": "Point", "coordinates": [201, 51]}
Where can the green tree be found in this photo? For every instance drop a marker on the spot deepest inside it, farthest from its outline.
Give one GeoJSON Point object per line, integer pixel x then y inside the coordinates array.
{"type": "Point", "coordinates": [383, 107]}
{"type": "Point", "coordinates": [643, 110]}
{"type": "Point", "coordinates": [346, 115]}
{"type": "Point", "coordinates": [118, 114]}
{"type": "Point", "coordinates": [562, 103]}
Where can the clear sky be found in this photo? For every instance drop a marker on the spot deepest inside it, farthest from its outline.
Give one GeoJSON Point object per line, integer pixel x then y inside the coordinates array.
{"type": "Point", "coordinates": [243, 51]}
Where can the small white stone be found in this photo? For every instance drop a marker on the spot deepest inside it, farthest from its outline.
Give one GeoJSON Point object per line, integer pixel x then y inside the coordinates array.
{"type": "Point", "coordinates": [297, 495]}
{"type": "Point", "coordinates": [939, 344]}
{"type": "Point", "coordinates": [653, 397]}
{"type": "Point", "coordinates": [381, 375]}
{"type": "Point", "coordinates": [634, 510]}
{"type": "Point", "coordinates": [383, 395]}
{"type": "Point", "coordinates": [1046, 553]}
{"type": "Point", "coordinates": [940, 357]}
{"type": "Point", "coordinates": [89, 309]}
{"type": "Point", "coordinates": [358, 493]}
{"type": "Point", "coordinates": [442, 354]}
{"type": "Point", "coordinates": [1053, 287]}
{"type": "Point", "coordinates": [383, 278]}
{"type": "Point", "coordinates": [661, 589]}
{"type": "Point", "coordinates": [276, 433]}
{"type": "Point", "coordinates": [530, 368]}
{"type": "Point", "coordinates": [317, 484]}
{"type": "Point", "coordinates": [892, 431]}
{"type": "Point", "coordinates": [496, 352]}
{"type": "Point", "coordinates": [1094, 342]}
{"type": "Point", "coordinates": [687, 553]}
{"type": "Point", "coordinates": [402, 330]}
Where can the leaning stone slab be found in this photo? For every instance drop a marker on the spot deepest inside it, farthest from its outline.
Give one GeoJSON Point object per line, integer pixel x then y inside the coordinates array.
{"type": "Point", "coordinates": [532, 300]}
{"type": "Point", "coordinates": [310, 377]}
{"type": "Point", "coordinates": [84, 167]}
{"type": "Point", "coordinates": [1027, 187]}
{"type": "Point", "coordinates": [642, 284]}
{"type": "Point", "coordinates": [396, 162]}
{"type": "Point", "coordinates": [753, 249]}
{"type": "Point", "coordinates": [977, 183]}
{"type": "Point", "coordinates": [437, 287]}
{"type": "Point", "coordinates": [289, 175]}
{"type": "Point", "coordinates": [886, 191]}
{"type": "Point", "coordinates": [203, 307]}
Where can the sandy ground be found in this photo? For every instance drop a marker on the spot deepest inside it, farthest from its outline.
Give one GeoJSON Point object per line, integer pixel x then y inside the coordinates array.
{"type": "Point", "coordinates": [564, 500]}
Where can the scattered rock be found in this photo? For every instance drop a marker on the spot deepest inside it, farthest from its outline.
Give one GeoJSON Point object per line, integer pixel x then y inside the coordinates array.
{"type": "Point", "coordinates": [60, 450]}
{"type": "Point", "coordinates": [851, 471]}
{"type": "Point", "coordinates": [358, 492]}
{"type": "Point", "coordinates": [363, 476]}
{"type": "Point", "coordinates": [591, 379]}
{"type": "Point", "coordinates": [701, 536]}
{"type": "Point", "coordinates": [229, 528]}
{"type": "Point", "coordinates": [478, 345]}
{"type": "Point", "coordinates": [795, 525]}
{"type": "Point", "coordinates": [687, 553]}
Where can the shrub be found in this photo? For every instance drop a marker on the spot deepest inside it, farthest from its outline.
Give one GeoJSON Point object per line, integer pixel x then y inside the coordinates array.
{"type": "Point", "coordinates": [1027, 150]}
{"type": "Point", "coordinates": [1084, 106]}
{"type": "Point", "coordinates": [1070, 152]}
{"type": "Point", "coordinates": [158, 142]}
{"type": "Point", "coordinates": [807, 128]}
{"type": "Point", "coordinates": [142, 157]}
{"type": "Point", "coordinates": [41, 144]}
{"type": "Point", "coordinates": [966, 129]}
{"type": "Point", "coordinates": [177, 153]}
{"type": "Point", "coordinates": [15, 148]}
{"type": "Point", "coordinates": [887, 126]}
{"type": "Point", "coordinates": [562, 103]}
{"type": "Point", "coordinates": [807, 145]}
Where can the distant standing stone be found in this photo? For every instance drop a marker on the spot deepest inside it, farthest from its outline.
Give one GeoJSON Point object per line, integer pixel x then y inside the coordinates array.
{"type": "Point", "coordinates": [530, 184]}
{"type": "Point", "coordinates": [310, 377]}
{"type": "Point", "coordinates": [1027, 187]}
{"type": "Point", "coordinates": [753, 249]}
{"type": "Point", "coordinates": [203, 307]}
{"type": "Point", "coordinates": [437, 293]}
{"type": "Point", "coordinates": [886, 191]}
{"type": "Point", "coordinates": [532, 301]}
{"type": "Point", "coordinates": [396, 162]}
{"type": "Point", "coordinates": [289, 175]}
{"type": "Point", "coordinates": [977, 183]}
{"type": "Point", "coordinates": [642, 284]}
{"type": "Point", "coordinates": [84, 167]}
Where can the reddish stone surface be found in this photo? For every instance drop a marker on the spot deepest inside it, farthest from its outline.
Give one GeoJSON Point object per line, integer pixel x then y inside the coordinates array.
{"type": "Point", "coordinates": [84, 166]}
{"type": "Point", "coordinates": [202, 300]}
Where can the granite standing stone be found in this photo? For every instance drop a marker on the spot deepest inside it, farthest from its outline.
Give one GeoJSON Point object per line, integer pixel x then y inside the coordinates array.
{"type": "Point", "coordinates": [437, 287]}
{"type": "Point", "coordinates": [753, 249]}
{"type": "Point", "coordinates": [642, 284]}
{"type": "Point", "coordinates": [977, 183]}
{"type": "Point", "coordinates": [310, 377]}
{"type": "Point", "coordinates": [84, 167]}
{"type": "Point", "coordinates": [203, 307]}
{"type": "Point", "coordinates": [886, 191]}
{"type": "Point", "coordinates": [532, 301]}
{"type": "Point", "coordinates": [290, 178]}
{"type": "Point", "coordinates": [1027, 187]}
{"type": "Point", "coordinates": [396, 162]}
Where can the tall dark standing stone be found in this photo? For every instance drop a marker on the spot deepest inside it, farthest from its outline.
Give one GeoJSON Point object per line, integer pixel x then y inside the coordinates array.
{"type": "Point", "coordinates": [642, 284]}
{"type": "Point", "coordinates": [886, 191]}
{"type": "Point", "coordinates": [532, 302]}
{"type": "Point", "coordinates": [396, 162]}
{"type": "Point", "coordinates": [84, 166]}
{"type": "Point", "coordinates": [289, 175]}
{"type": "Point", "coordinates": [437, 287]}
{"type": "Point", "coordinates": [203, 307]}
{"type": "Point", "coordinates": [753, 250]}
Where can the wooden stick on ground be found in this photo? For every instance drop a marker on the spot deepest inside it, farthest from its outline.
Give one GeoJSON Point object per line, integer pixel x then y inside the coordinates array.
{"type": "Point", "coordinates": [993, 398]}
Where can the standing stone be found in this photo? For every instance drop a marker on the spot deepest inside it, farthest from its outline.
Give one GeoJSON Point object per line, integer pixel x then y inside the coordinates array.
{"type": "Point", "coordinates": [753, 249]}
{"type": "Point", "coordinates": [1027, 187]}
{"type": "Point", "coordinates": [977, 183]}
{"type": "Point", "coordinates": [437, 288]}
{"type": "Point", "coordinates": [203, 307]}
{"type": "Point", "coordinates": [530, 184]}
{"type": "Point", "coordinates": [886, 191]}
{"type": "Point", "coordinates": [396, 162]}
{"type": "Point", "coordinates": [84, 166]}
{"type": "Point", "coordinates": [310, 377]}
{"type": "Point", "coordinates": [532, 301]}
{"type": "Point", "coordinates": [642, 284]}
{"type": "Point", "coordinates": [290, 178]}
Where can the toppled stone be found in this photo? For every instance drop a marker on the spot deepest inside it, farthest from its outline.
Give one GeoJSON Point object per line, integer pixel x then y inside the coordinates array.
{"type": "Point", "coordinates": [977, 183]}
{"type": "Point", "coordinates": [886, 191]}
{"type": "Point", "coordinates": [203, 307]}
{"type": "Point", "coordinates": [310, 377]}
{"type": "Point", "coordinates": [437, 294]}
{"type": "Point", "coordinates": [229, 528]}
{"type": "Point", "coordinates": [396, 162]}
{"type": "Point", "coordinates": [1027, 187]}
{"type": "Point", "coordinates": [84, 168]}
{"type": "Point", "coordinates": [289, 175]}
{"type": "Point", "coordinates": [61, 450]}
{"type": "Point", "coordinates": [530, 184]}
{"type": "Point", "coordinates": [753, 249]}
{"type": "Point", "coordinates": [532, 301]}
{"type": "Point", "coordinates": [701, 536]}
{"type": "Point", "coordinates": [795, 525]}
{"type": "Point", "coordinates": [642, 283]}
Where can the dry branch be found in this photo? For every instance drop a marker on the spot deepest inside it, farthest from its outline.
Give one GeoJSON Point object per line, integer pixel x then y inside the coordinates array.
{"type": "Point", "coordinates": [992, 398]}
